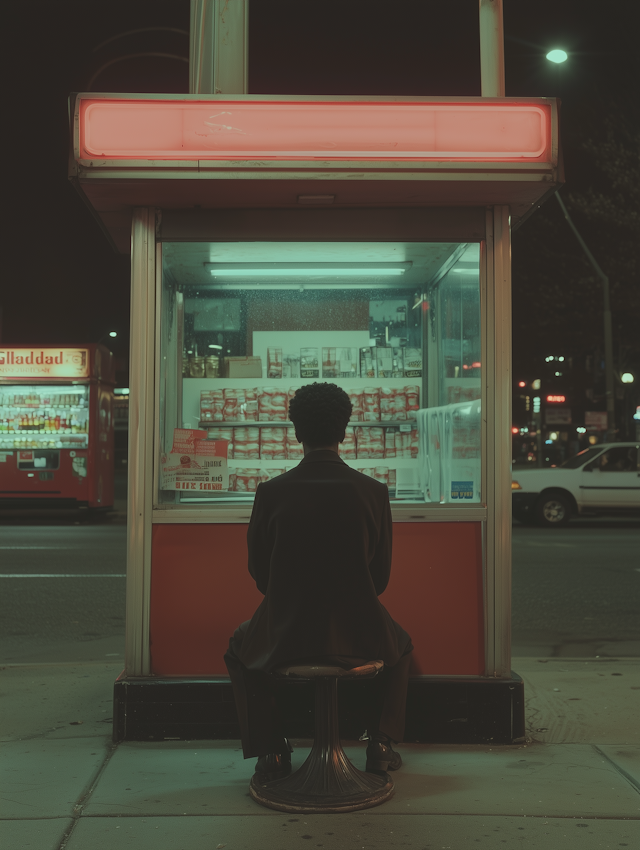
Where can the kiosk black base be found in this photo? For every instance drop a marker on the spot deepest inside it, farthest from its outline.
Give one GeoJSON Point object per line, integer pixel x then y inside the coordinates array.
{"type": "Point", "coordinates": [443, 710]}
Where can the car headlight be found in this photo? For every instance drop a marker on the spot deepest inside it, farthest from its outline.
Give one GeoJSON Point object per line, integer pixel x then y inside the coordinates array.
{"type": "Point", "coordinates": [515, 486]}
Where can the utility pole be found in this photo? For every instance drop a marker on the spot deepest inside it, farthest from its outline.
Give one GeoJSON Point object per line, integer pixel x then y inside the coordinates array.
{"type": "Point", "coordinates": [608, 336]}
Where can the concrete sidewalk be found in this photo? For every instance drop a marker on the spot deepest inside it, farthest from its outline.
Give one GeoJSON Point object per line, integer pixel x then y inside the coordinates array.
{"type": "Point", "coordinates": [575, 783]}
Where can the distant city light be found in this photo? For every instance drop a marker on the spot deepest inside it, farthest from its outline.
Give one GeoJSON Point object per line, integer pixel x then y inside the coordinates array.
{"type": "Point", "coordinates": [113, 333]}
{"type": "Point", "coordinates": [636, 415]}
{"type": "Point", "coordinates": [581, 429]}
{"type": "Point", "coordinates": [535, 385]}
{"type": "Point", "coordinates": [626, 378]}
{"type": "Point", "coordinates": [515, 430]}
{"type": "Point", "coordinates": [522, 384]}
{"type": "Point", "coordinates": [553, 435]}
{"type": "Point", "coordinates": [557, 399]}
{"type": "Point", "coordinates": [557, 56]}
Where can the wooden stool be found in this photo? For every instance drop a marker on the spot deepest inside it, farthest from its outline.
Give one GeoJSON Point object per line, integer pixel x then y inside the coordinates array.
{"type": "Point", "coordinates": [327, 781]}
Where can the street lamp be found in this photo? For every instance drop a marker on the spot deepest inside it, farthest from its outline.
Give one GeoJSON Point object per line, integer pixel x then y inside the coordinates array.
{"type": "Point", "coordinates": [112, 334]}
{"type": "Point", "coordinates": [557, 56]}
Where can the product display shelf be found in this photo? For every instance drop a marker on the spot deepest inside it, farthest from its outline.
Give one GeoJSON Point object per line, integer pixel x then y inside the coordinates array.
{"type": "Point", "coordinates": [207, 424]}
{"type": "Point", "coordinates": [43, 441]}
{"type": "Point", "coordinates": [290, 462]}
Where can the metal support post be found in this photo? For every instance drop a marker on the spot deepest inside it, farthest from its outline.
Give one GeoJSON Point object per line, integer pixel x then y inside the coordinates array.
{"type": "Point", "coordinates": [608, 336]}
{"type": "Point", "coordinates": [219, 47]}
{"type": "Point", "coordinates": [141, 407]}
{"type": "Point", "coordinates": [497, 372]}
{"type": "Point", "coordinates": [491, 48]}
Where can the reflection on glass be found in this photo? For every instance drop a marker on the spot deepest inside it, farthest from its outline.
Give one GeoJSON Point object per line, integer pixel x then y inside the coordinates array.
{"type": "Point", "coordinates": [235, 347]}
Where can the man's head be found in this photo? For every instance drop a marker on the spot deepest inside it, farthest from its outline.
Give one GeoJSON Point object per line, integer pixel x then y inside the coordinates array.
{"type": "Point", "coordinates": [320, 414]}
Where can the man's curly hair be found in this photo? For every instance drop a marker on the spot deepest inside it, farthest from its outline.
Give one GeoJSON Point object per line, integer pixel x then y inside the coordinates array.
{"type": "Point", "coordinates": [320, 414]}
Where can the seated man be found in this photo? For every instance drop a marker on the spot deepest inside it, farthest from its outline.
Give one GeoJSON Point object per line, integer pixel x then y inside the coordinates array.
{"type": "Point", "coordinates": [319, 544]}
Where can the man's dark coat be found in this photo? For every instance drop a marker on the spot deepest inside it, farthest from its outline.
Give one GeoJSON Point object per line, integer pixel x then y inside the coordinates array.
{"type": "Point", "coordinates": [319, 545]}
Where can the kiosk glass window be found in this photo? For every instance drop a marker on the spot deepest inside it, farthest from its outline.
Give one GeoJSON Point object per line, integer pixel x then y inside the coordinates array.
{"type": "Point", "coordinates": [243, 325]}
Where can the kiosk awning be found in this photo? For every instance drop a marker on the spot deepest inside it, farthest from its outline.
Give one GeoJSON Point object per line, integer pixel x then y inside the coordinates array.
{"type": "Point", "coordinates": [284, 151]}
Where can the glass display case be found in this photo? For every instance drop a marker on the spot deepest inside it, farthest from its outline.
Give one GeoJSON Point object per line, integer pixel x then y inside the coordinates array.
{"type": "Point", "coordinates": [243, 325]}
{"type": "Point", "coordinates": [44, 416]}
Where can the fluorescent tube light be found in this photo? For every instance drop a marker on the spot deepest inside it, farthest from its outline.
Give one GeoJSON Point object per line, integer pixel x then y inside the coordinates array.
{"type": "Point", "coordinates": [307, 269]}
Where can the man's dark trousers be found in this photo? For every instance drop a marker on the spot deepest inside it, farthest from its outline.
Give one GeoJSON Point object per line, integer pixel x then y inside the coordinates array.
{"type": "Point", "coordinates": [259, 717]}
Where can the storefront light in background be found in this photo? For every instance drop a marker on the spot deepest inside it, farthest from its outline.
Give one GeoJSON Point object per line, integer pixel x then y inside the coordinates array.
{"type": "Point", "coordinates": [557, 56]}
{"type": "Point", "coordinates": [627, 378]}
{"type": "Point", "coordinates": [113, 334]}
{"type": "Point", "coordinates": [308, 269]}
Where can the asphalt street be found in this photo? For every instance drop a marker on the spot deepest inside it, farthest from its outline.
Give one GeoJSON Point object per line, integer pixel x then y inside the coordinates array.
{"type": "Point", "coordinates": [576, 591]}
{"type": "Point", "coordinates": [62, 592]}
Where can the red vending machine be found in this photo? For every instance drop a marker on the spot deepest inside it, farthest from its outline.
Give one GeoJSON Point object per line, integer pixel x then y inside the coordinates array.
{"type": "Point", "coordinates": [56, 426]}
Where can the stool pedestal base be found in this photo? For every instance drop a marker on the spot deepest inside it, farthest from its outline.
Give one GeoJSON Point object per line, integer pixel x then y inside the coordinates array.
{"type": "Point", "coordinates": [327, 781]}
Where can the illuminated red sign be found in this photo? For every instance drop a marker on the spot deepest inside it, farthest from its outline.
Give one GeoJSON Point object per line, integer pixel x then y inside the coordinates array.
{"type": "Point", "coordinates": [44, 363]}
{"type": "Point", "coordinates": [327, 130]}
{"type": "Point", "coordinates": [556, 398]}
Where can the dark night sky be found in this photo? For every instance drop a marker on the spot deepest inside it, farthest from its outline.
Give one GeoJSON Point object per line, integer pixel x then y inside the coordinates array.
{"type": "Point", "coordinates": [62, 283]}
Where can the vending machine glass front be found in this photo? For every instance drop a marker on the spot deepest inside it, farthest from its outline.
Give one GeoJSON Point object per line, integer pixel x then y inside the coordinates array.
{"type": "Point", "coordinates": [244, 325]}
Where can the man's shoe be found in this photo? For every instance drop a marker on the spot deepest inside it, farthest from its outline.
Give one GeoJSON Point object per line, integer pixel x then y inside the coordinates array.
{"type": "Point", "coordinates": [275, 765]}
{"type": "Point", "coordinates": [381, 756]}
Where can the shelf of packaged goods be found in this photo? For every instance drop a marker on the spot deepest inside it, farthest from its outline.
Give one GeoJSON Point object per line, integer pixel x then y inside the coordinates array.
{"type": "Point", "coordinates": [348, 381]}
{"type": "Point", "coordinates": [288, 463]}
{"type": "Point", "coordinates": [48, 435]}
{"type": "Point", "coordinates": [40, 408]}
{"type": "Point", "coordinates": [44, 441]}
{"type": "Point", "coordinates": [279, 423]}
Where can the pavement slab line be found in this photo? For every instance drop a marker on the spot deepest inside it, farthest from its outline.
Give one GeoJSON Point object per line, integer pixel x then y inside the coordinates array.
{"type": "Point", "coordinates": [619, 769]}
{"type": "Point", "coordinates": [85, 795]}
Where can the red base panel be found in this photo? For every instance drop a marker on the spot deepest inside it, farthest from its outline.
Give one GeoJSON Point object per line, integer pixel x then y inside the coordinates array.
{"type": "Point", "coordinates": [201, 590]}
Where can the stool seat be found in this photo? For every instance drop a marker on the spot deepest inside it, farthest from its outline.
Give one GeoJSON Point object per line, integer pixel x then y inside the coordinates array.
{"type": "Point", "coordinates": [327, 781]}
{"type": "Point", "coordinates": [317, 670]}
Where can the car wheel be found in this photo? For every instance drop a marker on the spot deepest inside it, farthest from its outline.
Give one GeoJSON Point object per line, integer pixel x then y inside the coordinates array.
{"type": "Point", "coordinates": [553, 510]}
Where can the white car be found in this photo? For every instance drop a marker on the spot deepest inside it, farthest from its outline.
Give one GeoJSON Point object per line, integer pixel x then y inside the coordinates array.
{"type": "Point", "coordinates": [603, 478]}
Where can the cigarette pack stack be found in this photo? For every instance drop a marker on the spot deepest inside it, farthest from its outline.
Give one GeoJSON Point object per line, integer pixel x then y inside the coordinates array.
{"type": "Point", "coordinates": [389, 442]}
{"type": "Point", "coordinates": [274, 362]}
{"type": "Point", "coordinates": [347, 448]}
{"type": "Point", "coordinates": [233, 400]}
{"type": "Point", "coordinates": [247, 480]}
{"type": "Point", "coordinates": [371, 406]}
{"type": "Point", "coordinates": [381, 473]}
{"type": "Point", "coordinates": [211, 406]}
{"type": "Point", "coordinates": [246, 443]}
{"type": "Point", "coordinates": [412, 394]}
{"type": "Point", "coordinates": [223, 434]}
{"type": "Point", "coordinates": [294, 448]}
{"type": "Point", "coordinates": [272, 405]}
{"type": "Point", "coordinates": [370, 442]}
{"type": "Point", "coordinates": [273, 443]}
{"type": "Point", "coordinates": [329, 363]}
{"type": "Point", "coordinates": [356, 397]}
